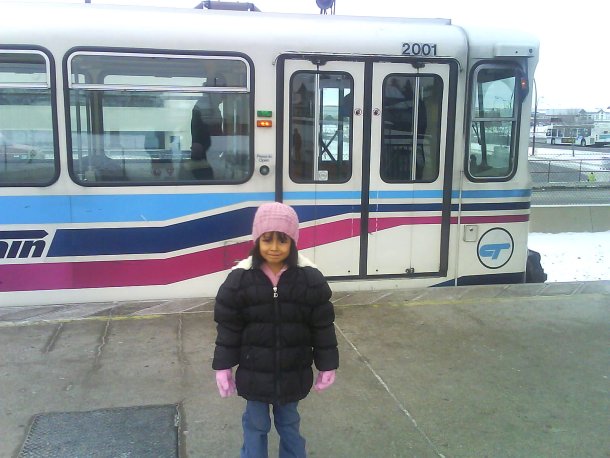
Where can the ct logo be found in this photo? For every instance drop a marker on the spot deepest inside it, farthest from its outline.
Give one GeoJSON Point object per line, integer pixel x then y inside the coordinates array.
{"type": "Point", "coordinates": [495, 248]}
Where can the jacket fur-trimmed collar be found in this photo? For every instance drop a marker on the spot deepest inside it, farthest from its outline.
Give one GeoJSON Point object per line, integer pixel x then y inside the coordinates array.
{"type": "Point", "coordinates": [246, 264]}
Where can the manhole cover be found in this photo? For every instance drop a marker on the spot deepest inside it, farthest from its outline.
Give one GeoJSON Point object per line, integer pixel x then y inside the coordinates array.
{"type": "Point", "coordinates": [143, 431]}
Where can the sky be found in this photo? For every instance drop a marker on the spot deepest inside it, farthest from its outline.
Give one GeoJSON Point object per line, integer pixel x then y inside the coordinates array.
{"type": "Point", "coordinates": [573, 71]}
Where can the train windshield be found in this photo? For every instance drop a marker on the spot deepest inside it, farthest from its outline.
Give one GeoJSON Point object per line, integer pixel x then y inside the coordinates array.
{"type": "Point", "coordinates": [494, 122]}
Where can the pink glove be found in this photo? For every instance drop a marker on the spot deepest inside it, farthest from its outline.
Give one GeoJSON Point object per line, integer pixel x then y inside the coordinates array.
{"type": "Point", "coordinates": [225, 382]}
{"type": "Point", "coordinates": [324, 380]}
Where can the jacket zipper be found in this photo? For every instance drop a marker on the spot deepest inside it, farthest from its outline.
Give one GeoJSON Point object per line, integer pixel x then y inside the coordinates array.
{"type": "Point", "coordinates": [276, 307]}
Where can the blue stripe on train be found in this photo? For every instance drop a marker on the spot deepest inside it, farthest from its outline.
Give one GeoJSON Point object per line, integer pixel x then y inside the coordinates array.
{"type": "Point", "coordinates": [492, 193]}
{"type": "Point", "coordinates": [493, 206]}
{"type": "Point", "coordinates": [116, 208]}
{"type": "Point", "coordinates": [162, 207]}
{"type": "Point", "coordinates": [188, 234]}
{"type": "Point", "coordinates": [438, 207]}
{"type": "Point", "coordinates": [144, 240]}
{"type": "Point", "coordinates": [437, 194]}
{"type": "Point", "coordinates": [211, 229]}
{"type": "Point", "coordinates": [487, 279]}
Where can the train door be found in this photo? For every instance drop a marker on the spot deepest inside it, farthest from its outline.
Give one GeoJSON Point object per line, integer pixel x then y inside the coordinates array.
{"type": "Point", "coordinates": [322, 160]}
{"type": "Point", "coordinates": [409, 191]}
{"type": "Point", "coordinates": [368, 205]}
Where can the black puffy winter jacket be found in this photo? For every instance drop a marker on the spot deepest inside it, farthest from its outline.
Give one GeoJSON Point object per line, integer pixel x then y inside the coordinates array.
{"type": "Point", "coordinates": [275, 340]}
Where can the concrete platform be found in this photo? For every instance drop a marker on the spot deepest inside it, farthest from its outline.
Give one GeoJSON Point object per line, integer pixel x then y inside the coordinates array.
{"type": "Point", "coordinates": [498, 371]}
{"type": "Point", "coordinates": [574, 218]}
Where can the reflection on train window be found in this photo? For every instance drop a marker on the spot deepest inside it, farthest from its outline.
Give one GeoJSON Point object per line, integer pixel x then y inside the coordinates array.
{"type": "Point", "coordinates": [320, 127]}
{"type": "Point", "coordinates": [491, 152]}
{"type": "Point", "coordinates": [159, 119]}
{"type": "Point", "coordinates": [27, 152]}
{"type": "Point", "coordinates": [411, 104]}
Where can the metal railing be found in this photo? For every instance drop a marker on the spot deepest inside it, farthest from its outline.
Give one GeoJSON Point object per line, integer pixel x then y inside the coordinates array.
{"type": "Point", "coordinates": [570, 171]}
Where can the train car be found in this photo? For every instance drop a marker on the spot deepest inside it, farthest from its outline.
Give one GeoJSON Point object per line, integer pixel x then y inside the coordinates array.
{"type": "Point", "coordinates": [137, 143]}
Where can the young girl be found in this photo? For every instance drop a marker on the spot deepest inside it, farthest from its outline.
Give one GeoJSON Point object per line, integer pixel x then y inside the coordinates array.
{"type": "Point", "coordinates": [274, 319]}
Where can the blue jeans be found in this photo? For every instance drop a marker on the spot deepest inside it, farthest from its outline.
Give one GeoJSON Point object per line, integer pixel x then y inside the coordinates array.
{"type": "Point", "coordinates": [257, 424]}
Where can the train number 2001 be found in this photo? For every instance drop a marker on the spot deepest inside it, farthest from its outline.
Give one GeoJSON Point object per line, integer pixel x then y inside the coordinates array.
{"type": "Point", "coordinates": [419, 49]}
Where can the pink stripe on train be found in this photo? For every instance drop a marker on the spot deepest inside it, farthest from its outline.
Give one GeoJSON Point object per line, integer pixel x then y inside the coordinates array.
{"type": "Point", "coordinates": [147, 272]}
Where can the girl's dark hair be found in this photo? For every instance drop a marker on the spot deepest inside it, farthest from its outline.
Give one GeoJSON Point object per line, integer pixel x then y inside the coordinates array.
{"type": "Point", "coordinates": [291, 260]}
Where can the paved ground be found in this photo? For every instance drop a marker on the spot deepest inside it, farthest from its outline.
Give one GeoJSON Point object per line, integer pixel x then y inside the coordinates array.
{"type": "Point", "coordinates": [496, 371]}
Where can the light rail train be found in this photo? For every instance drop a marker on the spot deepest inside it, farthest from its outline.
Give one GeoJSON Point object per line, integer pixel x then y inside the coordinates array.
{"type": "Point", "coordinates": [137, 143]}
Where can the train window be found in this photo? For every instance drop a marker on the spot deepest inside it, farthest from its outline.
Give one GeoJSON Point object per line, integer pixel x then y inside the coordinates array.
{"type": "Point", "coordinates": [491, 150]}
{"type": "Point", "coordinates": [403, 114]}
{"type": "Point", "coordinates": [158, 119]}
{"type": "Point", "coordinates": [27, 151]}
{"type": "Point", "coordinates": [321, 127]}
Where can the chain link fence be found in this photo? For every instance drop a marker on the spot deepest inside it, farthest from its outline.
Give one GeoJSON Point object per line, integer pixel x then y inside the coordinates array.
{"type": "Point", "coordinates": [570, 176]}
{"type": "Point", "coordinates": [587, 171]}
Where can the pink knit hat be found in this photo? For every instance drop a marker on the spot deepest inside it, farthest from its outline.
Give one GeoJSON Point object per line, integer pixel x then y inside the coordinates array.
{"type": "Point", "coordinates": [276, 217]}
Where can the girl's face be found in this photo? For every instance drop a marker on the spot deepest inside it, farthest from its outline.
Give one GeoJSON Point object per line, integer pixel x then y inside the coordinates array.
{"type": "Point", "coordinates": [274, 248]}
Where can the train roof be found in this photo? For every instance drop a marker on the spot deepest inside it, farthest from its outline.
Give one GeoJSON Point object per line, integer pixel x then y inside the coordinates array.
{"type": "Point", "coordinates": [193, 29]}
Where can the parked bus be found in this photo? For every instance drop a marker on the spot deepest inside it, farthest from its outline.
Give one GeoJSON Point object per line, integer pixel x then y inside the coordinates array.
{"type": "Point", "coordinates": [600, 133]}
{"type": "Point", "coordinates": [137, 143]}
{"type": "Point", "coordinates": [570, 135]}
